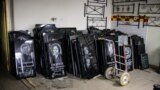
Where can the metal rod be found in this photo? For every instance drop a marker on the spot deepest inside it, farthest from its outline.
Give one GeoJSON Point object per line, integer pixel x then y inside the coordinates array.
{"type": "Point", "coordinates": [120, 70]}
{"type": "Point", "coordinates": [119, 56]}
{"type": "Point", "coordinates": [84, 9]}
{"type": "Point", "coordinates": [130, 1]}
{"type": "Point", "coordinates": [120, 63]}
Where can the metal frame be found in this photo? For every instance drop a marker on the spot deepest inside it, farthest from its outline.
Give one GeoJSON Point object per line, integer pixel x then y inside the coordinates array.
{"type": "Point", "coordinates": [149, 8]}
{"type": "Point", "coordinates": [127, 1]}
{"type": "Point", "coordinates": [94, 9]}
{"type": "Point", "coordinates": [97, 20]}
{"type": "Point", "coordinates": [123, 7]}
{"type": "Point", "coordinates": [119, 62]}
{"type": "Point", "coordinates": [97, 1]}
{"type": "Point", "coordinates": [152, 21]}
{"type": "Point", "coordinates": [117, 70]}
{"type": "Point", "coordinates": [128, 22]}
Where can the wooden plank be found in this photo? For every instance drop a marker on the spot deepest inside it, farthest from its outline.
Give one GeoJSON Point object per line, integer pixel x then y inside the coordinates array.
{"type": "Point", "coordinates": [25, 82]}
{"type": "Point", "coordinates": [31, 83]}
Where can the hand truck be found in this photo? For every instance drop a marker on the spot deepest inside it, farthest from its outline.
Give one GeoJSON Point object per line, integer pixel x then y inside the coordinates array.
{"type": "Point", "coordinates": [119, 69]}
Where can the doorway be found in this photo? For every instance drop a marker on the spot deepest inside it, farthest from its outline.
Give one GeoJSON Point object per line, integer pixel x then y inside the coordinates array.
{"type": "Point", "coordinates": [5, 26]}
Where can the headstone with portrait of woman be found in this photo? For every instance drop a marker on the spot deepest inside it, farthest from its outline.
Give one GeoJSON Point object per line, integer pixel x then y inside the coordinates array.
{"type": "Point", "coordinates": [49, 45]}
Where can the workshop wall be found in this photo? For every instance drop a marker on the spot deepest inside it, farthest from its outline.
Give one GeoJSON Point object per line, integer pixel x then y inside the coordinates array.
{"type": "Point", "coordinates": [68, 13]}
{"type": "Point", "coordinates": [150, 34]}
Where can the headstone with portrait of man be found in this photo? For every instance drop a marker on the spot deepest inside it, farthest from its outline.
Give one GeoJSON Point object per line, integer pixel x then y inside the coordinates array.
{"type": "Point", "coordinates": [22, 54]}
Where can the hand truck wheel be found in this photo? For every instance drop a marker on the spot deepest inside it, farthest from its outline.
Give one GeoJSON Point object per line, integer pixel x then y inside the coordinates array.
{"type": "Point", "coordinates": [109, 73]}
{"type": "Point", "coordinates": [124, 78]}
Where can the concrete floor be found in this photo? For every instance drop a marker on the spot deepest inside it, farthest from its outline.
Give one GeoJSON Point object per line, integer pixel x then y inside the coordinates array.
{"type": "Point", "coordinates": [140, 80]}
{"type": "Point", "coordinates": [7, 82]}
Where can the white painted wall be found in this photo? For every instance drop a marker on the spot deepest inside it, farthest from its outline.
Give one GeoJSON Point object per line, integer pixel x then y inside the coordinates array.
{"type": "Point", "coordinates": [27, 13]}
{"type": "Point", "coordinates": [131, 30]}
{"type": "Point", "coordinates": [69, 13]}
{"type": "Point", "coordinates": [153, 45]}
{"type": "Point", "coordinates": [152, 41]}
{"type": "Point", "coordinates": [108, 14]}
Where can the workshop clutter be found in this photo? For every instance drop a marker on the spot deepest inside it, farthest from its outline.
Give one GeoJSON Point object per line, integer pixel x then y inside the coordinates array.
{"type": "Point", "coordinates": [54, 52]}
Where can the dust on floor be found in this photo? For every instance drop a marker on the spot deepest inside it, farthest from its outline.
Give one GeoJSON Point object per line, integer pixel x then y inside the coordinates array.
{"type": "Point", "coordinates": [140, 80]}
